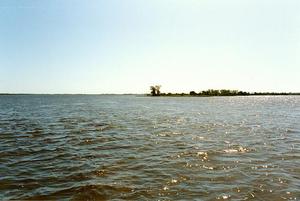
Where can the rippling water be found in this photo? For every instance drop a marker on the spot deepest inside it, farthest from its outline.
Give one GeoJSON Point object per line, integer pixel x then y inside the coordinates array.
{"type": "Point", "coordinates": [80, 147]}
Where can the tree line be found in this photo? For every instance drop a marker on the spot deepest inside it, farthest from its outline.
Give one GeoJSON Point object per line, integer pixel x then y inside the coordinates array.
{"type": "Point", "coordinates": [155, 91]}
{"type": "Point", "coordinates": [222, 92]}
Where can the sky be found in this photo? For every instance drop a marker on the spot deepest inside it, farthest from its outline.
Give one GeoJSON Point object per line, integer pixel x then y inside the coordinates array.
{"type": "Point", "coordinates": [125, 46]}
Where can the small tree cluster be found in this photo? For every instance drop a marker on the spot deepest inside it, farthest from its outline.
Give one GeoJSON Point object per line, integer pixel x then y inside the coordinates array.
{"type": "Point", "coordinates": [222, 92]}
{"type": "Point", "coordinates": [155, 90]}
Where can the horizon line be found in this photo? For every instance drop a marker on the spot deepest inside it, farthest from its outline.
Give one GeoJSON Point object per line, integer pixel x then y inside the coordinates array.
{"type": "Point", "coordinates": [1, 94]}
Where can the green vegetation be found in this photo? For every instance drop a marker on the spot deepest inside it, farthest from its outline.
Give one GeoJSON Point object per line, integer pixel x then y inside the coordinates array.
{"type": "Point", "coordinates": [222, 92]}
{"type": "Point", "coordinates": [155, 91]}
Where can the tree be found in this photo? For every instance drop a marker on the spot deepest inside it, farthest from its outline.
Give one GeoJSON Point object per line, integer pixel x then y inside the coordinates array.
{"type": "Point", "coordinates": [158, 89]}
{"type": "Point", "coordinates": [193, 93]}
{"type": "Point", "coordinates": [155, 90]}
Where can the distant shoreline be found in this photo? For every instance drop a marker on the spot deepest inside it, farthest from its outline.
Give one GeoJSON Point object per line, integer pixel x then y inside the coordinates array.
{"type": "Point", "coordinates": [252, 94]}
{"type": "Point", "coordinates": [155, 91]}
{"type": "Point", "coordinates": [161, 95]}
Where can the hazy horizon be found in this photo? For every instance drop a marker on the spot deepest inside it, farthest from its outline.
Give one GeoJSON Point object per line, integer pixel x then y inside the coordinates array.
{"type": "Point", "coordinates": [121, 47]}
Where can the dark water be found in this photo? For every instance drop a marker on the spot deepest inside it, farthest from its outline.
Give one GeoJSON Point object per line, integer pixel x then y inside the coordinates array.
{"type": "Point", "coordinates": [143, 148]}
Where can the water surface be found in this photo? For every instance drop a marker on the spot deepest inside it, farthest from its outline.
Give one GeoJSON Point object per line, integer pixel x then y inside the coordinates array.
{"type": "Point", "coordinates": [84, 147]}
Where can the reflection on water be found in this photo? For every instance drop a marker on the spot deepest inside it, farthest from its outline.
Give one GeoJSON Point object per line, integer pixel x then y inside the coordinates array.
{"type": "Point", "coordinates": [146, 148]}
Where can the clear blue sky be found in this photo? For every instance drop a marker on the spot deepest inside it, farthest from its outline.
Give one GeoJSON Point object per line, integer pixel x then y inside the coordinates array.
{"type": "Point", "coordinates": [124, 46]}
